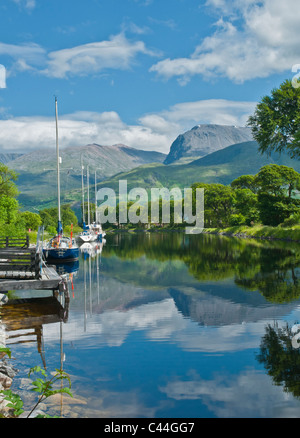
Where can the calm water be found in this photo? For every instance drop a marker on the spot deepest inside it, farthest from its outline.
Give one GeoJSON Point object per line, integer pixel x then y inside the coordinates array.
{"type": "Point", "coordinates": [169, 325]}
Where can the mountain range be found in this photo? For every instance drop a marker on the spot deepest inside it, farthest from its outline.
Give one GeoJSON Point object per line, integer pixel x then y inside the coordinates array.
{"type": "Point", "coordinates": [225, 152]}
{"type": "Point", "coordinates": [37, 169]}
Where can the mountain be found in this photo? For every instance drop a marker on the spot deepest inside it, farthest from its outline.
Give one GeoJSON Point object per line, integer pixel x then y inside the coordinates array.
{"type": "Point", "coordinates": [108, 160]}
{"type": "Point", "coordinates": [221, 167]}
{"type": "Point", "coordinates": [37, 169]}
{"type": "Point", "coordinates": [6, 157]}
{"type": "Point", "coordinates": [205, 139]}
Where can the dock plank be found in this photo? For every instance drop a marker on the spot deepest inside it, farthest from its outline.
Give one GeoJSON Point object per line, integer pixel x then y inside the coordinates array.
{"type": "Point", "coordinates": [49, 280]}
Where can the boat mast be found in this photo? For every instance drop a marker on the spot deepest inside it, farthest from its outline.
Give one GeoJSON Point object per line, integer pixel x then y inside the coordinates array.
{"type": "Point", "coordinates": [88, 194]}
{"type": "Point", "coordinates": [59, 226]}
{"type": "Point", "coordinates": [82, 189]}
{"type": "Point", "coordinates": [95, 198]}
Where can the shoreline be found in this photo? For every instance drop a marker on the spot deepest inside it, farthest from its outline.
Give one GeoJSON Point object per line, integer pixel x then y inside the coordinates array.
{"type": "Point", "coordinates": [258, 232]}
{"type": "Point", "coordinates": [261, 232]}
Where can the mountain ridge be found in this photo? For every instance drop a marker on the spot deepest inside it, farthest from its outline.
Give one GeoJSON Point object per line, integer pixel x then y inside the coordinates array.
{"type": "Point", "coordinates": [204, 139]}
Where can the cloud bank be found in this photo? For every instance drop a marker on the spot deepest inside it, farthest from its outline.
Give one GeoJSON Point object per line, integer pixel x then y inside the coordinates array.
{"type": "Point", "coordinates": [151, 132]}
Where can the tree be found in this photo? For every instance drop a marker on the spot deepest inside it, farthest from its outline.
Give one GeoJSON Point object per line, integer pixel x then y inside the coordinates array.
{"type": "Point", "coordinates": [277, 186]}
{"type": "Point", "coordinates": [32, 220]}
{"type": "Point", "coordinates": [245, 182]}
{"type": "Point", "coordinates": [68, 216]}
{"type": "Point", "coordinates": [7, 178]}
{"type": "Point", "coordinates": [275, 123]}
{"type": "Point", "coordinates": [246, 205]}
{"type": "Point", "coordinates": [218, 204]}
{"type": "Point", "coordinates": [49, 216]}
{"type": "Point", "coordinates": [8, 210]}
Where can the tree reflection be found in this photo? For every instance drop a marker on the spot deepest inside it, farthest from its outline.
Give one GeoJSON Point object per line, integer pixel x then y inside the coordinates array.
{"type": "Point", "coordinates": [280, 359]}
{"type": "Point", "coordinates": [268, 267]}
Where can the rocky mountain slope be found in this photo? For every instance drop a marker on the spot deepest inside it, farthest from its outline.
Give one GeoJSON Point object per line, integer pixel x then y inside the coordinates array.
{"type": "Point", "coordinates": [205, 139]}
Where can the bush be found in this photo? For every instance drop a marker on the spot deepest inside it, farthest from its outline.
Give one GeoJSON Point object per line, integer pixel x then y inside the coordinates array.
{"type": "Point", "coordinates": [237, 219]}
{"type": "Point", "coordinates": [294, 219]}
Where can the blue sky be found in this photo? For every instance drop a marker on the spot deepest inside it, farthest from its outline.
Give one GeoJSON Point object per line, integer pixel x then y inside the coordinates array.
{"type": "Point", "coordinates": [137, 72]}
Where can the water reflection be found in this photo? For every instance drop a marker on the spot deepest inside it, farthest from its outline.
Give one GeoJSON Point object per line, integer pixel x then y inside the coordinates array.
{"type": "Point", "coordinates": [172, 325]}
{"type": "Point", "coordinates": [280, 358]}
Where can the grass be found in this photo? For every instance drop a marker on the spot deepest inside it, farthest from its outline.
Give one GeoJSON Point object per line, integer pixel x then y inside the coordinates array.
{"type": "Point", "coordinates": [260, 231]}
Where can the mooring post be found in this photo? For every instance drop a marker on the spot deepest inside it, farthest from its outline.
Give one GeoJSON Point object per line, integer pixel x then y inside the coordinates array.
{"type": "Point", "coordinates": [63, 287]}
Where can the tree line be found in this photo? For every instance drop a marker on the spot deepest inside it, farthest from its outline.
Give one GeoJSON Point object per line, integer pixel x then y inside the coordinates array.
{"type": "Point", "coordinates": [270, 197]}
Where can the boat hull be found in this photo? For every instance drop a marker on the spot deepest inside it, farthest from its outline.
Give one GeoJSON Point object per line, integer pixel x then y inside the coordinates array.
{"type": "Point", "coordinates": [87, 237]}
{"type": "Point", "coordinates": [60, 255]}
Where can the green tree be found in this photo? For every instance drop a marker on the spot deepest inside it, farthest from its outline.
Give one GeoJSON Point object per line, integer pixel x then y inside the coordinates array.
{"type": "Point", "coordinates": [218, 204]}
{"type": "Point", "coordinates": [49, 216]}
{"type": "Point", "coordinates": [68, 216]}
{"type": "Point", "coordinates": [7, 184]}
{"type": "Point", "coordinates": [245, 182]}
{"type": "Point", "coordinates": [276, 194]}
{"type": "Point", "coordinates": [8, 210]}
{"type": "Point", "coordinates": [275, 123]}
{"type": "Point", "coordinates": [246, 204]}
{"type": "Point", "coordinates": [32, 220]}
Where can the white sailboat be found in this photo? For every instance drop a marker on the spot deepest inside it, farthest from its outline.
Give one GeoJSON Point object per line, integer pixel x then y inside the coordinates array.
{"type": "Point", "coordinates": [96, 226]}
{"type": "Point", "coordinates": [88, 234]}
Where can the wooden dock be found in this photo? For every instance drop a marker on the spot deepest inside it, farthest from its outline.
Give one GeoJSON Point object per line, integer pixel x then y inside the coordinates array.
{"type": "Point", "coordinates": [22, 268]}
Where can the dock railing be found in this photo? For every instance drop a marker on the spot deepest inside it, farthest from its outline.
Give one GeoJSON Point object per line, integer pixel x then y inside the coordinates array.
{"type": "Point", "coordinates": [18, 259]}
{"type": "Point", "coordinates": [11, 242]}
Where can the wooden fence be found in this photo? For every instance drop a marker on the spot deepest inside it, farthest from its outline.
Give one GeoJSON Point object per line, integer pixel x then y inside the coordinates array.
{"type": "Point", "coordinates": [11, 242]}
{"type": "Point", "coordinates": [18, 260]}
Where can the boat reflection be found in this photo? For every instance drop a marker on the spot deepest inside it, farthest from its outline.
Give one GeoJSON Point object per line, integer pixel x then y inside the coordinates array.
{"type": "Point", "coordinates": [92, 249]}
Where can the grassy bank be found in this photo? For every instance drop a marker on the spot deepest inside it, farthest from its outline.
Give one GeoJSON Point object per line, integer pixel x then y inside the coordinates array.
{"type": "Point", "coordinates": [260, 232]}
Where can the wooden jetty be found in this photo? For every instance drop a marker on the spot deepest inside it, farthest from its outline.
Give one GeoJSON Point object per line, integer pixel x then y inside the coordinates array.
{"type": "Point", "coordinates": [22, 268]}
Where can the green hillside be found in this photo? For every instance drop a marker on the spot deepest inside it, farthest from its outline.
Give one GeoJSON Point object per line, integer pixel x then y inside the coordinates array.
{"type": "Point", "coordinates": [219, 167]}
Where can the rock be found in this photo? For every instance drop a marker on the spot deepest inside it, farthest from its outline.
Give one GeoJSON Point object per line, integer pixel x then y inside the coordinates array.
{"type": "Point", "coordinates": [7, 369]}
{"type": "Point", "coordinates": [5, 381]}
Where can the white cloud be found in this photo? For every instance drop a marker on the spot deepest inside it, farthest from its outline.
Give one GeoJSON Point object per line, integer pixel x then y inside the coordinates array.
{"type": "Point", "coordinates": [248, 394]}
{"type": "Point", "coordinates": [154, 131]}
{"type": "Point", "coordinates": [116, 53]}
{"type": "Point", "coordinates": [253, 39]}
{"type": "Point", "coordinates": [26, 4]}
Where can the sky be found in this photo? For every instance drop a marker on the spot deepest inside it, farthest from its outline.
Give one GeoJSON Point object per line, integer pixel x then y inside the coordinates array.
{"type": "Point", "coordinates": [138, 72]}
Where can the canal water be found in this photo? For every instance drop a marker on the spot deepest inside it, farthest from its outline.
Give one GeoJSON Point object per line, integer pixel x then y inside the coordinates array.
{"type": "Point", "coordinates": [166, 325]}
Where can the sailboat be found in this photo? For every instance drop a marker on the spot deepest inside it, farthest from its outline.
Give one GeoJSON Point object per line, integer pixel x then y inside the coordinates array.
{"type": "Point", "coordinates": [96, 226]}
{"type": "Point", "coordinates": [60, 248]}
{"type": "Point", "coordinates": [88, 234]}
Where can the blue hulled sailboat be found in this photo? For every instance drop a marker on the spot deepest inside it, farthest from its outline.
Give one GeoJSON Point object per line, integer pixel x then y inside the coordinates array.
{"type": "Point", "coordinates": [60, 248]}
